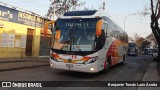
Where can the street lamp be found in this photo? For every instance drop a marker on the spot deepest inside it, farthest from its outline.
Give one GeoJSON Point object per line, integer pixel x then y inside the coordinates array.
{"type": "Point", "coordinates": [126, 18]}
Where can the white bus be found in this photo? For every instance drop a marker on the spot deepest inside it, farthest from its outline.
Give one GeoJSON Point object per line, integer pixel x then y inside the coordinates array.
{"type": "Point", "coordinates": [86, 41]}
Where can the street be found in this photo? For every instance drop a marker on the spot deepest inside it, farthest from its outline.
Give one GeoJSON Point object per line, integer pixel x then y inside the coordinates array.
{"type": "Point", "coordinates": [133, 70]}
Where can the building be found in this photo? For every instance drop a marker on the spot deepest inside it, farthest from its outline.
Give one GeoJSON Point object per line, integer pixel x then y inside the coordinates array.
{"type": "Point", "coordinates": [21, 34]}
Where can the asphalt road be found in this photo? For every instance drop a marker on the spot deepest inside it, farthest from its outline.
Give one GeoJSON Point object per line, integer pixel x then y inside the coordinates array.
{"type": "Point", "coordinates": [133, 70]}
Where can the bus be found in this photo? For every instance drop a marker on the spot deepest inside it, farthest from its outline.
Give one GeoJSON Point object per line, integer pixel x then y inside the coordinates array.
{"type": "Point", "coordinates": [86, 41]}
{"type": "Point", "coordinates": [132, 49]}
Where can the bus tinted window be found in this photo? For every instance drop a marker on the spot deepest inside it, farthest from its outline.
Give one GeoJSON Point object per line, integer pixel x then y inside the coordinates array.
{"type": "Point", "coordinates": [75, 34]}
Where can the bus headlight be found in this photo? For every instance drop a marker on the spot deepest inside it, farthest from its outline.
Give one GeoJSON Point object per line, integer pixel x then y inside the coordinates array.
{"type": "Point", "coordinates": [92, 60]}
{"type": "Point", "coordinates": [53, 58]}
{"type": "Point", "coordinates": [92, 69]}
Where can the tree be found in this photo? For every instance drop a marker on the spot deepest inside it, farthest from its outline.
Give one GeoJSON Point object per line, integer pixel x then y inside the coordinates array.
{"type": "Point", "coordinates": [138, 40]}
{"type": "Point", "coordinates": [152, 39]}
{"type": "Point", "coordinates": [155, 15]}
{"type": "Point", "coordinates": [130, 39]}
{"type": "Point", "coordinates": [58, 7]}
{"type": "Point", "coordinates": [145, 44]}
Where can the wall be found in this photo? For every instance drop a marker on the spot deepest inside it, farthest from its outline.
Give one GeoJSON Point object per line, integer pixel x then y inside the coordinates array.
{"type": "Point", "coordinates": [16, 47]}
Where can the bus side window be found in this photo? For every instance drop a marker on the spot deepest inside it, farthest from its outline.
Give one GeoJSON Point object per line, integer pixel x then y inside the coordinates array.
{"type": "Point", "coordinates": [105, 27]}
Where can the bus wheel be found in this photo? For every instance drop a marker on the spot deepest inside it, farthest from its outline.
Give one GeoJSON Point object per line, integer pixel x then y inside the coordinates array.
{"type": "Point", "coordinates": [124, 59]}
{"type": "Point", "coordinates": [106, 69]}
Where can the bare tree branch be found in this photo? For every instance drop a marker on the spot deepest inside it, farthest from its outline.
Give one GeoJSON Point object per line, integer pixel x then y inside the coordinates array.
{"type": "Point", "coordinates": [157, 4]}
{"type": "Point", "coordinates": [158, 9]}
{"type": "Point", "coordinates": [152, 10]}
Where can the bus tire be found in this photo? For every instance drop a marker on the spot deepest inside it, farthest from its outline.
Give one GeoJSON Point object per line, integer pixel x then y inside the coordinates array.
{"type": "Point", "coordinates": [106, 69]}
{"type": "Point", "coordinates": [124, 59]}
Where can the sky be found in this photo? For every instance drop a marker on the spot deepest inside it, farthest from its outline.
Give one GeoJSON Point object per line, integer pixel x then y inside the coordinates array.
{"type": "Point", "coordinates": [117, 10]}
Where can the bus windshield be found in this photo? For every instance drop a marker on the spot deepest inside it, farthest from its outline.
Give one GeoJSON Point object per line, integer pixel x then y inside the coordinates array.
{"type": "Point", "coordinates": [75, 34]}
{"type": "Point", "coordinates": [132, 45]}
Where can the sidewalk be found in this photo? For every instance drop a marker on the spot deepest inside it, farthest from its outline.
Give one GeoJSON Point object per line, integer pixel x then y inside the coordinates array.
{"type": "Point", "coordinates": [22, 63]}
{"type": "Point", "coordinates": [151, 75]}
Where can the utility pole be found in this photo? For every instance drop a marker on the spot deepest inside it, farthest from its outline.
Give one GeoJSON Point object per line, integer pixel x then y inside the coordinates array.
{"type": "Point", "coordinates": [51, 14]}
{"type": "Point", "coordinates": [104, 5]}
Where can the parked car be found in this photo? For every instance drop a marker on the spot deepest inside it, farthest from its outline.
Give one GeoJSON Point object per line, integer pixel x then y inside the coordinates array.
{"type": "Point", "coordinates": [148, 51]}
{"type": "Point", "coordinates": [155, 54]}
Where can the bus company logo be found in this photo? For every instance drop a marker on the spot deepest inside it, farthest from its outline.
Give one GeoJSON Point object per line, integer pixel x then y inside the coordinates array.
{"type": "Point", "coordinates": [73, 56]}
{"type": "Point", "coordinates": [69, 60]}
{"type": "Point", "coordinates": [6, 84]}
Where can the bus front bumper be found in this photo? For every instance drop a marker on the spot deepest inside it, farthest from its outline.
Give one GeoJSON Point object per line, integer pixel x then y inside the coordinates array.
{"type": "Point", "coordinates": [88, 68]}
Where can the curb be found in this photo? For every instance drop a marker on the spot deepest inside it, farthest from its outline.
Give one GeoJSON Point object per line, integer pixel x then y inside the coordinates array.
{"type": "Point", "coordinates": [23, 61]}
{"type": "Point", "coordinates": [11, 60]}
{"type": "Point", "coordinates": [18, 68]}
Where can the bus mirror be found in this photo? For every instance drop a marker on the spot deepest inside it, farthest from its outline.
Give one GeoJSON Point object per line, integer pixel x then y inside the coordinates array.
{"type": "Point", "coordinates": [99, 28]}
{"type": "Point", "coordinates": [46, 26]}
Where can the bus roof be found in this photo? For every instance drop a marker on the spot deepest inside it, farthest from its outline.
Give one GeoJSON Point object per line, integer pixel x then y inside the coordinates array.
{"type": "Point", "coordinates": [80, 13]}
{"type": "Point", "coordinates": [83, 14]}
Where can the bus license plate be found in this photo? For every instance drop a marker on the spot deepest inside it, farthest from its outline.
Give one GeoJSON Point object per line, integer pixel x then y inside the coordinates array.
{"type": "Point", "coordinates": [69, 65]}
